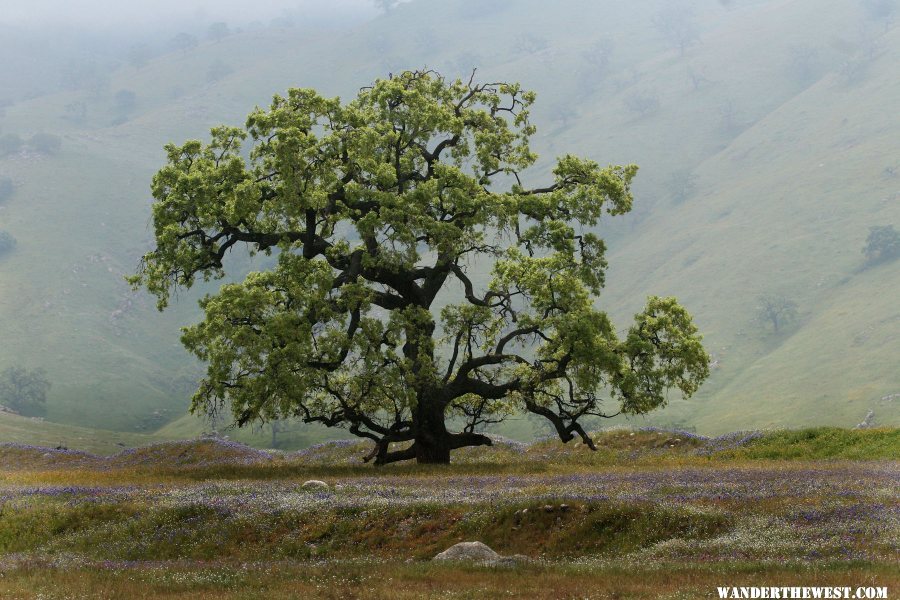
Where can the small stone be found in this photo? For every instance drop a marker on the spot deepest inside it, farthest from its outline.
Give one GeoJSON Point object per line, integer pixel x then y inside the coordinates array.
{"type": "Point", "coordinates": [314, 484]}
{"type": "Point", "coordinates": [564, 507]}
{"type": "Point", "coordinates": [548, 508]}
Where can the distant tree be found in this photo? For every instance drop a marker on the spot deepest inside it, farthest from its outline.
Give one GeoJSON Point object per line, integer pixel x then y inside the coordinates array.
{"type": "Point", "coordinates": [184, 42]}
{"type": "Point", "coordinates": [776, 311]}
{"type": "Point", "coordinates": [219, 69]}
{"type": "Point", "coordinates": [45, 143]}
{"type": "Point", "coordinates": [139, 55]}
{"type": "Point", "coordinates": [125, 101]}
{"type": "Point", "coordinates": [642, 103]}
{"type": "Point", "coordinates": [882, 244]}
{"type": "Point", "coordinates": [379, 208]}
{"type": "Point", "coordinates": [218, 31]}
{"type": "Point", "coordinates": [7, 242]}
{"type": "Point", "coordinates": [277, 428]}
{"type": "Point", "coordinates": [10, 143]}
{"type": "Point", "coordinates": [682, 185]}
{"type": "Point", "coordinates": [24, 391]}
{"type": "Point", "coordinates": [6, 189]}
{"type": "Point", "coordinates": [678, 25]}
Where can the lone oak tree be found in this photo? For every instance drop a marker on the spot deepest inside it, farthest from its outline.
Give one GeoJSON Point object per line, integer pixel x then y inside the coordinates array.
{"type": "Point", "coordinates": [376, 209]}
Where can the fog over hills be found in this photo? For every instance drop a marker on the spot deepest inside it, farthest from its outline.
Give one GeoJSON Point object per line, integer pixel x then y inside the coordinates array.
{"type": "Point", "coordinates": [766, 132]}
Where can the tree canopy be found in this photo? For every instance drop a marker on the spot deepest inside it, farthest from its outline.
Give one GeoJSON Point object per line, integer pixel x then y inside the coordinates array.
{"type": "Point", "coordinates": [882, 244]}
{"type": "Point", "coordinates": [419, 285]}
{"type": "Point", "coordinates": [24, 391]}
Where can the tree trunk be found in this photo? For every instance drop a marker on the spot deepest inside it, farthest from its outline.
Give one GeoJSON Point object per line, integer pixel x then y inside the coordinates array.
{"type": "Point", "coordinates": [433, 441]}
{"type": "Point", "coordinates": [432, 451]}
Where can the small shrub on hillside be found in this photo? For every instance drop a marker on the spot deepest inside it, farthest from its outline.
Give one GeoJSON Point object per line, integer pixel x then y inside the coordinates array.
{"type": "Point", "coordinates": [882, 244]}
{"type": "Point", "coordinates": [7, 242]}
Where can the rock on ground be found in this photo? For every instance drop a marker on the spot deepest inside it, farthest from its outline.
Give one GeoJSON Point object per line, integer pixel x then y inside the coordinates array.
{"type": "Point", "coordinates": [314, 484]}
{"type": "Point", "coordinates": [468, 551]}
{"type": "Point", "coordinates": [479, 552]}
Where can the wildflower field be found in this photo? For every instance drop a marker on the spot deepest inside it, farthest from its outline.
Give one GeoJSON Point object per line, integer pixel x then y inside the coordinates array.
{"type": "Point", "coordinates": [652, 514]}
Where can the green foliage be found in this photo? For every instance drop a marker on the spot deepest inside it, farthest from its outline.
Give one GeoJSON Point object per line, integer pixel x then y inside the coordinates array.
{"type": "Point", "coordinates": [24, 391]}
{"type": "Point", "coordinates": [882, 244]}
{"type": "Point", "coordinates": [372, 208]}
{"type": "Point", "coordinates": [821, 443]}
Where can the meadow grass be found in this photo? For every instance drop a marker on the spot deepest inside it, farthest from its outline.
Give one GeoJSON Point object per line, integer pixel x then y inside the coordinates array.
{"type": "Point", "coordinates": [368, 580]}
{"type": "Point", "coordinates": [654, 514]}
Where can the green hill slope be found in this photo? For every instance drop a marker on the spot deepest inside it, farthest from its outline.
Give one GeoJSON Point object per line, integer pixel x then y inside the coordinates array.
{"type": "Point", "coordinates": [766, 149]}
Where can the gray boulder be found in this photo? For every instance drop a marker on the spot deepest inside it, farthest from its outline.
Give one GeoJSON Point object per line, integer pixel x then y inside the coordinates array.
{"type": "Point", "coordinates": [474, 551]}
{"type": "Point", "coordinates": [314, 484]}
{"type": "Point", "coordinates": [480, 553]}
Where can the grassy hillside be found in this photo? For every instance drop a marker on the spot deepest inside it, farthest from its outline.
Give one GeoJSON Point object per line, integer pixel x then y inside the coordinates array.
{"type": "Point", "coordinates": [34, 432]}
{"type": "Point", "coordinates": [766, 151]}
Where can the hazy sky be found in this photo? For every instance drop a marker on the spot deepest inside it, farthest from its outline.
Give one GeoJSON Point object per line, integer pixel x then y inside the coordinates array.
{"type": "Point", "coordinates": [105, 13]}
